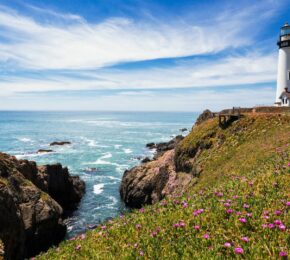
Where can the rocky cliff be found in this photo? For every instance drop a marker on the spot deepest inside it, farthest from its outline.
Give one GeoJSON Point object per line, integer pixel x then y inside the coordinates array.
{"type": "Point", "coordinates": [32, 199]}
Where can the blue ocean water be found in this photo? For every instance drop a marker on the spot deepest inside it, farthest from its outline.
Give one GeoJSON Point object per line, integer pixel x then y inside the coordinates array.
{"type": "Point", "coordinates": [107, 142]}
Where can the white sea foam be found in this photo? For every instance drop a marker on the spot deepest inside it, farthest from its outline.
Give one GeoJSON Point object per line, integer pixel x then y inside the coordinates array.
{"type": "Point", "coordinates": [90, 142]}
{"type": "Point", "coordinates": [24, 139]}
{"type": "Point", "coordinates": [127, 150]}
{"type": "Point", "coordinates": [98, 188]}
{"type": "Point", "coordinates": [117, 146]}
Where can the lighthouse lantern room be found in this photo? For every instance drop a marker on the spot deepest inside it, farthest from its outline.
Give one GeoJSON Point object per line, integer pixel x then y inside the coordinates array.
{"type": "Point", "coordinates": [283, 80]}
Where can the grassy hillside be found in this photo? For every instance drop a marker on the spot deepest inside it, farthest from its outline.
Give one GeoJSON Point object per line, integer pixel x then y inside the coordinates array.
{"type": "Point", "coordinates": [237, 208]}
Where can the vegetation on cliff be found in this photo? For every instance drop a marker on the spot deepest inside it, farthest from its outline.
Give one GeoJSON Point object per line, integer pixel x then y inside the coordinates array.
{"type": "Point", "coordinates": [237, 207]}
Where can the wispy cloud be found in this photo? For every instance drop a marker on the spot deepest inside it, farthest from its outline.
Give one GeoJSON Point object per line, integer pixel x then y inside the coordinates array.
{"type": "Point", "coordinates": [78, 44]}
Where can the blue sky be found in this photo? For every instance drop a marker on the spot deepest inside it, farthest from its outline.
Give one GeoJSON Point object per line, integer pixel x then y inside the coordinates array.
{"type": "Point", "coordinates": [138, 54]}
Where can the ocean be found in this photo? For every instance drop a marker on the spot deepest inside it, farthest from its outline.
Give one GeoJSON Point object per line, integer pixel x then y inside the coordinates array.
{"type": "Point", "coordinates": [103, 146]}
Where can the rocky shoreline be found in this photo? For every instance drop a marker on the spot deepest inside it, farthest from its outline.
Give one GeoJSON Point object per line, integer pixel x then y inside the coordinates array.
{"type": "Point", "coordinates": [33, 200]}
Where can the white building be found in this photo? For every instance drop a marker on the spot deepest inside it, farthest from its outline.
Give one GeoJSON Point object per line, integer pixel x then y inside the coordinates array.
{"type": "Point", "coordinates": [283, 79]}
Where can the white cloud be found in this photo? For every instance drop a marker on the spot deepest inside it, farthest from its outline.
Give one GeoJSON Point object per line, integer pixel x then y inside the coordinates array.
{"type": "Point", "coordinates": [78, 44]}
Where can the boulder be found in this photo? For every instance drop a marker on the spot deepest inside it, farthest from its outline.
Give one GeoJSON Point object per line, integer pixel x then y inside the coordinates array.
{"type": "Point", "coordinates": [59, 143]}
{"type": "Point", "coordinates": [148, 183]}
{"type": "Point", "coordinates": [205, 115]}
{"type": "Point", "coordinates": [183, 129]}
{"type": "Point", "coordinates": [151, 145]}
{"type": "Point", "coordinates": [44, 151]}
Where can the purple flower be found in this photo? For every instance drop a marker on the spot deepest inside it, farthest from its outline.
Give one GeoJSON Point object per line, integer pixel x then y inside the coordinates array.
{"type": "Point", "coordinates": [239, 250]}
{"type": "Point", "coordinates": [271, 225]}
{"type": "Point", "coordinates": [229, 211]}
{"type": "Point", "coordinates": [154, 234]}
{"type": "Point", "coordinates": [142, 210]}
{"type": "Point", "coordinates": [181, 224]}
{"type": "Point", "coordinates": [135, 245]}
{"type": "Point", "coordinates": [264, 225]}
{"type": "Point", "coordinates": [82, 236]}
{"type": "Point", "coordinates": [138, 226]}
{"type": "Point", "coordinates": [141, 253]}
{"type": "Point", "coordinates": [206, 236]}
{"type": "Point", "coordinates": [288, 203]}
{"type": "Point", "coordinates": [282, 227]}
{"type": "Point", "coordinates": [197, 227]}
{"type": "Point", "coordinates": [158, 229]}
{"type": "Point", "coordinates": [246, 206]}
{"type": "Point", "coordinates": [249, 214]}
{"type": "Point", "coordinates": [176, 225]}
{"type": "Point", "coordinates": [235, 196]}
{"type": "Point", "coordinates": [227, 244]}
{"type": "Point", "coordinates": [278, 212]}
{"type": "Point", "coordinates": [184, 204]}
{"type": "Point", "coordinates": [78, 247]}
{"type": "Point", "coordinates": [283, 254]}
{"type": "Point", "coordinates": [238, 213]}
{"type": "Point", "coordinates": [227, 204]}
{"type": "Point", "coordinates": [103, 227]}
{"type": "Point", "coordinates": [245, 239]}
{"type": "Point", "coordinates": [277, 222]}
{"type": "Point", "coordinates": [242, 220]}
{"type": "Point", "coordinates": [266, 217]}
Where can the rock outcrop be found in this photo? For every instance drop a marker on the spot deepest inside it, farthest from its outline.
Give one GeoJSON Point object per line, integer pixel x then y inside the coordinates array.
{"type": "Point", "coordinates": [154, 179]}
{"type": "Point", "coordinates": [59, 143]}
{"type": "Point", "coordinates": [31, 219]}
{"type": "Point", "coordinates": [205, 115]}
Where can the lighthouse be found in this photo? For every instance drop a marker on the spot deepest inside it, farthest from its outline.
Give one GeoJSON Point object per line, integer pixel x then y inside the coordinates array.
{"type": "Point", "coordinates": [283, 79]}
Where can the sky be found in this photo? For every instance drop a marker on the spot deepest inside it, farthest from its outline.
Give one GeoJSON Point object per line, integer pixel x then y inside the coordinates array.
{"type": "Point", "coordinates": [138, 55]}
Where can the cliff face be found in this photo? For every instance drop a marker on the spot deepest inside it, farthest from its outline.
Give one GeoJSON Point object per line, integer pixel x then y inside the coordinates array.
{"type": "Point", "coordinates": [31, 201]}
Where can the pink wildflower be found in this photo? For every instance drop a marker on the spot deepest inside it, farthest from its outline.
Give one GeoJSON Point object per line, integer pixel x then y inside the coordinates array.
{"type": "Point", "coordinates": [197, 227]}
{"type": "Point", "coordinates": [229, 211]}
{"type": "Point", "coordinates": [288, 203]}
{"type": "Point", "coordinates": [227, 204]}
{"type": "Point", "coordinates": [239, 250]}
{"type": "Point", "coordinates": [271, 225]}
{"type": "Point", "coordinates": [135, 245]}
{"type": "Point", "coordinates": [138, 226]}
{"type": "Point", "coordinates": [206, 236]}
{"type": "Point", "coordinates": [264, 225]}
{"type": "Point", "coordinates": [278, 212]}
{"type": "Point", "coordinates": [249, 214]}
{"type": "Point", "coordinates": [184, 204]}
{"type": "Point", "coordinates": [238, 213]}
{"type": "Point", "coordinates": [142, 210]}
{"type": "Point", "coordinates": [78, 247]}
{"type": "Point", "coordinates": [158, 229]}
{"type": "Point", "coordinates": [266, 217]}
{"type": "Point", "coordinates": [227, 244]}
{"type": "Point", "coordinates": [235, 196]}
{"type": "Point", "coordinates": [277, 222]}
{"type": "Point", "coordinates": [82, 236]}
{"type": "Point", "coordinates": [176, 225]}
{"type": "Point", "coordinates": [242, 220]}
{"type": "Point", "coordinates": [282, 227]}
{"type": "Point", "coordinates": [181, 224]}
{"type": "Point", "coordinates": [141, 253]}
{"type": "Point", "coordinates": [246, 206]}
{"type": "Point", "coordinates": [245, 239]}
{"type": "Point", "coordinates": [154, 234]}
{"type": "Point", "coordinates": [283, 254]}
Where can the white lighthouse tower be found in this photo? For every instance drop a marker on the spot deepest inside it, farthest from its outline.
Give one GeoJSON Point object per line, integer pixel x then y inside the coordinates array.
{"type": "Point", "coordinates": [283, 80]}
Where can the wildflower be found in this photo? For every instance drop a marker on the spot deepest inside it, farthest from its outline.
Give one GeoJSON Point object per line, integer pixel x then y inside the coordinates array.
{"type": "Point", "coordinates": [278, 212]}
{"type": "Point", "coordinates": [142, 210]}
{"type": "Point", "coordinates": [141, 253]}
{"type": "Point", "coordinates": [176, 225]}
{"type": "Point", "coordinates": [266, 212]}
{"type": "Point", "coordinates": [283, 254]}
{"type": "Point", "coordinates": [135, 245]}
{"type": "Point", "coordinates": [242, 220]}
{"type": "Point", "coordinates": [246, 206]}
{"type": "Point", "coordinates": [271, 225]}
{"type": "Point", "coordinates": [282, 227]}
{"type": "Point", "coordinates": [251, 183]}
{"type": "Point", "coordinates": [82, 236]}
{"type": "Point", "coordinates": [197, 227]}
{"type": "Point", "coordinates": [249, 214]}
{"type": "Point", "coordinates": [264, 225]}
{"type": "Point", "coordinates": [181, 224]}
{"type": "Point", "coordinates": [239, 250]}
{"type": "Point", "coordinates": [78, 247]}
{"type": "Point", "coordinates": [206, 236]}
{"type": "Point", "coordinates": [277, 222]}
{"type": "Point", "coordinates": [229, 201]}
{"type": "Point", "coordinates": [288, 203]}
{"type": "Point", "coordinates": [184, 204]}
{"type": "Point", "coordinates": [103, 227]}
{"type": "Point", "coordinates": [227, 204]}
{"type": "Point", "coordinates": [158, 229]}
{"type": "Point", "coordinates": [154, 234]}
{"type": "Point", "coordinates": [219, 194]}
{"type": "Point", "coordinates": [239, 213]}
{"type": "Point", "coordinates": [245, 239]}
{"type": "Point", "coordinates": [266, 217]}
{"type": "Point", "coordinates": [229, 211]}
{"type": "Point", "coordinates": [235, 196]}
{"type": "Point", "coordinates": [138, 226]}
{"type": "Point", "coordinates": [122, 215]}
{"type": "Point", "coordinates": [227, 244]}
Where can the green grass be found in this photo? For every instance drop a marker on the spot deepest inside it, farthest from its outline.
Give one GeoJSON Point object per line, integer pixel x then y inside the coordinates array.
{"type": "Point", "coordinates": [245, 169]}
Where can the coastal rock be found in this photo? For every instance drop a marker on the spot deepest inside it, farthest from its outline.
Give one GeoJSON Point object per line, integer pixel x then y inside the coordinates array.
{"type": "Point", "coordinates": [205, 115]}
{"type": "Point", "coordinates": [44, 151]}
{"type": "Point", "coordinates": [30, 220]}
{"type": "Point", "coordinates": [31, 201]}
{"type": "Point", "coordinates": [150, 182]}
{"type": "Point", "coordinates": [60, 143]}
{"type": "Point", "coordinates": [151, 145]}
{"type": "Point", "coordinates": [145, 160]}
{"type": "Point", "coordinates": [183, 129]}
